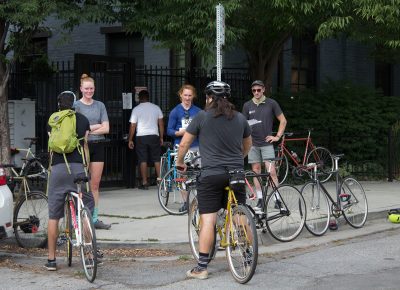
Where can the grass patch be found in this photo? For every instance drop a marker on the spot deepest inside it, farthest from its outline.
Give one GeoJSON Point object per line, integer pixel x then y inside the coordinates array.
{"type": "Point", "coordinates": [184, 258]}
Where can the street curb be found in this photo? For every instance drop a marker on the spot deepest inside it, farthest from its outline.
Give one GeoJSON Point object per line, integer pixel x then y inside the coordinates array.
{"type": "Point", "coordinates": [153, 244]}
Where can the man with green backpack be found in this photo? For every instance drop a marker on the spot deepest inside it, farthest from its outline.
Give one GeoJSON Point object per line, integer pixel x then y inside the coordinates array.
{"type": "Point", "coordinates": [68, 133]}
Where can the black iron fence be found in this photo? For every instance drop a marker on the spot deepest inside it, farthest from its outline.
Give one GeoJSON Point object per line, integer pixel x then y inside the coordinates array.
{"type": "Point", "coordinates": [113, 76]}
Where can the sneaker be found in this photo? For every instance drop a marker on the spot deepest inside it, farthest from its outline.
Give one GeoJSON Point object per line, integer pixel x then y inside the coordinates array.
{"type": "Point", "coordinates": [258, 207]}
{"type": "Point", "coordinates": [51, 266]}
{"type": "Point", "coordinates": [183, 207]}
{"type": "Point", "coordinates": [99, 225]}
{"type": "Point", "coordinates": [143, 186]}
{"type": "Point", "coordinates": [197, 273]}
{"type": "Point", "coordinates": [100, 256]}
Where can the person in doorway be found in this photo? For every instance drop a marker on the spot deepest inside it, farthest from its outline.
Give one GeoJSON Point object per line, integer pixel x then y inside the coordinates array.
{"type": "Point", "coordinates": [179, 118]}
{"type": "Point", "coordinates": [148, 123]}
{"type": "Point", "coordinates": [263, 110]}
{"type": "Point", "coordinates": [224, 140]}
{"type": "Point", "coordinates": [96, 113]}
{"type": "Point", "coordinates": [61, 178]}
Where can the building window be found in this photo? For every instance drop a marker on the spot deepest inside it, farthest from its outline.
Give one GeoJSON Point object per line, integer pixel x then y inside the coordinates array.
{"type": "Point", "coordinates": [303, 64]}
{"type": "Point", "coordinates": [126, 45]}
{"type": "Point", "coordinates": [383, 77]}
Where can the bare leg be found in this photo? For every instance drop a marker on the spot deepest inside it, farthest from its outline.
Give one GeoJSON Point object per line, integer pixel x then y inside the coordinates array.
{"type": "Point", "coordinates": [272, 171]}
{"type": "Point", "coordinates": [96, 170]}
{"type": "Point", "coordinates": [143, 172]}
{"type": "Point", "coordinates": [206, 238]}
{"type": "Point", "coordinates": [157, 167]}
{"type": "Point", "coordinates": [52, 232]}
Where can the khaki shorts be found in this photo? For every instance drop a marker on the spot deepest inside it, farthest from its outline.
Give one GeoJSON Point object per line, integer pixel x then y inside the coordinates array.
{"type": "Point", "coordinates": [261, 154]}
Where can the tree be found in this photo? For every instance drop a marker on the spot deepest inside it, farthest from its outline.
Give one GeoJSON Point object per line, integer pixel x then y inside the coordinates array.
{"type": "Point", "coordinates": [19, 21]}
{"type": "Point", "coordinates": [261, 27]}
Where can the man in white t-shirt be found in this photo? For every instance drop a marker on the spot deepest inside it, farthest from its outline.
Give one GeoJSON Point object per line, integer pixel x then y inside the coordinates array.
{"type": "Point", "coordinates": [147, 120]}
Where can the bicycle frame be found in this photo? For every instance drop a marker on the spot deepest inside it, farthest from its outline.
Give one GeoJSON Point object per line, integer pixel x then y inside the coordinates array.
{"type": "Point", "coordinates": [76, 220]}
{"type": "Point", "coordinates": [283, 149]}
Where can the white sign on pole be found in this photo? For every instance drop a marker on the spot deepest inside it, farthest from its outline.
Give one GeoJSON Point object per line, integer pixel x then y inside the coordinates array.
{"type": "Point", "coordinates": [220, 11]}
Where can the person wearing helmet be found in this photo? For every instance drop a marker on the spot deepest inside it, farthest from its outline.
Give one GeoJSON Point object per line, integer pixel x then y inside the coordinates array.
{"type": "Point", "coordinates": [262, 111]}
{"type": "Point", "coordinates": [224, 140]}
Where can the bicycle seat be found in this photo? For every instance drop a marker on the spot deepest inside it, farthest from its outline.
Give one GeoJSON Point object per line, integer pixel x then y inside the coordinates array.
{"type": "Point", "coordinates": [337, 156]}
{"type": "Point", "coordinates": [274, 159]}
{"type": "Point", "coordinates": [167, 145]}
{"type": "Point", "coordinates": [81, 178]}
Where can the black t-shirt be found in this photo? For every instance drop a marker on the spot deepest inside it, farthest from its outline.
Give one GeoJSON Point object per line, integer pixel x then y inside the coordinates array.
{"type": "Point", "coordinates": [220, 141]}
{"type": "Point", "coordinates": [82, 125]}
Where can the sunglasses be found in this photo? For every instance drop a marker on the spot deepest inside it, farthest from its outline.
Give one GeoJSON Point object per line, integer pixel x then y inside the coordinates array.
{"type": "Point", "coordinates": [186, 114]}
{"type": "Point", "coordinates": [256, 90]}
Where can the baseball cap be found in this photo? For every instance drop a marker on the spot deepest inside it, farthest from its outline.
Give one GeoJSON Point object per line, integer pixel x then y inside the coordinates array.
{"type": "Point", "coordinates": [257, 83]}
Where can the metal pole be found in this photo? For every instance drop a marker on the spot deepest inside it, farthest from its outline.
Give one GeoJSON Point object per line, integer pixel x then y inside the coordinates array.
{"type": "Point", "coordinates": [220, 37]}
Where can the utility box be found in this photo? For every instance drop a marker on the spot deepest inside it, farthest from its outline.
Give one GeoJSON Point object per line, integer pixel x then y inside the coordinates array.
{"type": "Point", "coordinates": [21, 118]}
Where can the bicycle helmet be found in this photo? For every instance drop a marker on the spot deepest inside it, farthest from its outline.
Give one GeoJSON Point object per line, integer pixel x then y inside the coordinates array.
{"type": "Point", "coordinates": [394, 215]}
{"type": "Point", "coordinates": [218, 89]}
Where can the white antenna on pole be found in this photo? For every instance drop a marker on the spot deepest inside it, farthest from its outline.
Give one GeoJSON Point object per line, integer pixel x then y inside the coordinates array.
{"type": "Point", "coordinates": [220, 37]}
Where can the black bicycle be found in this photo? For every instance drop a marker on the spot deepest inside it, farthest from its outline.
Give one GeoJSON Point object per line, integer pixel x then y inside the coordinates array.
{"type": "Point", "coordinates": [350, 201]}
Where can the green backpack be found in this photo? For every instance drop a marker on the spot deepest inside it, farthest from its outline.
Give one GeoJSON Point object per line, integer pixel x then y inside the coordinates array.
{"type": "Point", "coordinates": [63, 137]}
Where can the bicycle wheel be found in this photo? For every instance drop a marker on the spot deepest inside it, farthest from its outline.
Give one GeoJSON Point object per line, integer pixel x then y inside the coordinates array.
{"type": "Point", "coordinates": [31, 216]}
{"type": "Point", "coordinates": [324, 159]}
{"type": "Point", "coordinates": [170, 193]}
{"type": "Point", "coordinates": [194, 231]}
{"type": "Point", "coordinates": [354, 202]}
{"type": "Point", "coordinates": [317, 209]}
{"type": "Point", "coordinates": [251, 190]}
{"type": "Point", "coordinates": [88, 248]}
{"type": "Point", "coordinates": [65, 237]}
{"type": "Point", "coordinates": [163, 166]}
{"type": "Point", "coordinates": [285, 213]}
{"type": "Point", "coordinates": [282, 168]}
{"type": "Point", "coordinates": [242, 249]}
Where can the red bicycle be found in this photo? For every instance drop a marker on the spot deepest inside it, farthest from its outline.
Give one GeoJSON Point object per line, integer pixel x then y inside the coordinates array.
{"type": "Point", "coordinates": [312, 154]}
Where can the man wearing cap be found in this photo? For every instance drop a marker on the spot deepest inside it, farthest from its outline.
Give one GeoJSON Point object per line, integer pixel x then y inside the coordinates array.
{"type": "Point", "coordinates": [261, 112]}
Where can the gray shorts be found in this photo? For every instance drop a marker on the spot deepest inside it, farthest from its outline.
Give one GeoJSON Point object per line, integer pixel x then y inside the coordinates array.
{"type": "Point", "coordinates": [61, 182]}
{"type": "Point", "coordinates": [260, 154]}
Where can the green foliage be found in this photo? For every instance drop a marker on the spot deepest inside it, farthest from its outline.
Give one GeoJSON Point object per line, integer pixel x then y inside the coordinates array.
{"type": "Point", "coordinates": [346, 118]}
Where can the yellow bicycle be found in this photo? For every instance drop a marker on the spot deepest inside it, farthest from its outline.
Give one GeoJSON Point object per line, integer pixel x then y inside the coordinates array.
{"type": "Point", "coordinates": [237, 231]}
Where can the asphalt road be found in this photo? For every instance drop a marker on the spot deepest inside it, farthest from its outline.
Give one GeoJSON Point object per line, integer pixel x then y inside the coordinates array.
{"type": "Point", "coordinates": [366, 261]}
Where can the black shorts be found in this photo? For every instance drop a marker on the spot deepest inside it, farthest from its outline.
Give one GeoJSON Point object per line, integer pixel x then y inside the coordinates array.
{"type": "Point", "coordinates": [211, 193]}
{"type": "Point", "coordinates": [148, 148]}
{"type": "Point", "coordinates": [96, 151]}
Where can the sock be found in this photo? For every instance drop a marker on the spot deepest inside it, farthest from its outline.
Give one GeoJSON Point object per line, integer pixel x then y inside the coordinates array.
{"type": "Point", "coordinates": [203, 261]}
{"type": "Point", "coordinates": [259, 194]}
{"type": "Point", "coordinates": [95, 214]}
{"type": "Point", "coordinates": [48, 260]}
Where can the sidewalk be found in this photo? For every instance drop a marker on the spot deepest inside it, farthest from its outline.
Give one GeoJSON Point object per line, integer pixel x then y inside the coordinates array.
{"type": "Point", "coordinates": [137, 218]}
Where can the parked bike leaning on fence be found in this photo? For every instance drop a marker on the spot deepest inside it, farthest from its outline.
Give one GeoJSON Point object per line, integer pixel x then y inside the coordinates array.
{"type": "Point", "coordinates": [260, 111]}
{"type": "Point", "coordinates": [61, 177]}
{"type": "Point", "coordinates": [225, 139]}
{"type": "Point", "coordinates": [179, 118]}
{"type": "Point", "coordinates": [95, 111]}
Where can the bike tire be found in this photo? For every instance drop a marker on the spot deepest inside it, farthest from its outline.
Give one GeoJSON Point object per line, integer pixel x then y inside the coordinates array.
{"type": "Point", "coordinates": [88, 248]}
{"type": "Point", "coordinates": [163, 166]}
{"type": "Point", "coordinates": [282, 168]}
{"type": "Point", "coordinates": [324, 159]}
{"type": "Point", "coordinates": [285, 213]}
{"type": "Point", "coordinates": [355, 209]}
{"type": "Point", "coordinates": [317, 209]}
{"type": "Point", "coordinates": [242, 249]}
{"type": "Point", "coordinates": [69, 233]}
{"type": "Point", "coordinates": [194, 227]}
{"type": "Point", "coordinates": [169, 193]}
{"type": "Point", "coordinates": [31, 217]}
